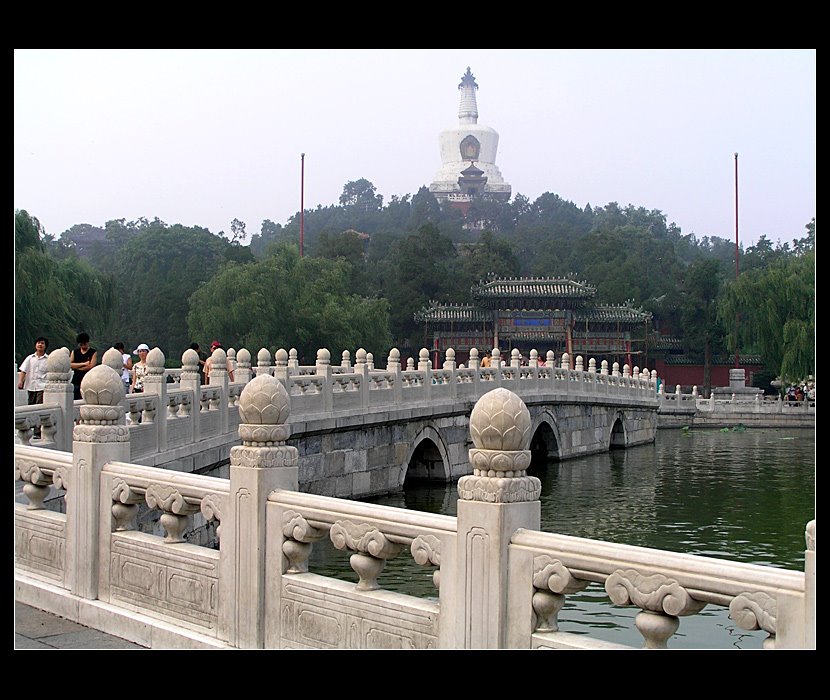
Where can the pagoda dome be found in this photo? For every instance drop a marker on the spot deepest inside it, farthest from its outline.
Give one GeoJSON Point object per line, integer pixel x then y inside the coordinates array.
{"type": "Point", "coordinates": [465, 144]}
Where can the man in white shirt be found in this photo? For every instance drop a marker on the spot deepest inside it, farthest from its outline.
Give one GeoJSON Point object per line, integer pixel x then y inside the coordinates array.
{"type": "Point", "coordinates": [32, 374]}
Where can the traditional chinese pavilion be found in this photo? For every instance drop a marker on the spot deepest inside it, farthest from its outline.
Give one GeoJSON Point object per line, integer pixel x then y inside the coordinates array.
{"type": "Point", "coordinates": [537, 314]}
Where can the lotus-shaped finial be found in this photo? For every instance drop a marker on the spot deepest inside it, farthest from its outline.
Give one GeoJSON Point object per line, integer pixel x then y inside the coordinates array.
{"type": "Point", "coordinates": [263, 401]}
{"type": "Point", "coordinates": [500, 421]}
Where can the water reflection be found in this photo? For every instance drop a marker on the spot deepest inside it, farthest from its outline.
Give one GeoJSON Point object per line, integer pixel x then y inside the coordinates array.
{"type": "Point", "coordinates": [744, 496]}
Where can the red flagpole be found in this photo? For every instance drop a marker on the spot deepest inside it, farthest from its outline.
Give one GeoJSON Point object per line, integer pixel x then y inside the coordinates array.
{"type": "Point", "coordinates": [737, 356]}
{"type": "Point", "coordinates": [302, 209]}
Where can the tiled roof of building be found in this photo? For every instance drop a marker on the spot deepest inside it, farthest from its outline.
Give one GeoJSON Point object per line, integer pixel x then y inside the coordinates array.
{"type": "Point", "coordinates": [666, 342]}
{"type": "Point", "coordinates": [533, 287]}
{"type": "Point", "coordinates": [717, 360]}
{"type": "Point", "coordinates": [451, 313]}
{"type": "Point", "coordinates": [621, 313]}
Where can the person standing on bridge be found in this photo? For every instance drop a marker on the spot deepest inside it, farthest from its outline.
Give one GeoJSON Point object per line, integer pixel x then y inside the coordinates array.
{"type": "Point", "coordinates": [83, 359]}
{"type": "Point", "coordinates": [140, 368]}
{"type": "Point", "coordinates": [32, 373]}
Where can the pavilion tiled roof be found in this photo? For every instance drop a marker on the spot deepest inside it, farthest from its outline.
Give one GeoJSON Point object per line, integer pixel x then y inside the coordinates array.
{"type": "Point", "coordinates": [619, 313]}
{"type": "Point", "coordinates": [717, 360]}
{"type": "Point", "coordinates": [451, 313]}
{"type": "Point", "coordinates": [666, 342]}
{"type": "Point", "coordinates": [538, 287]}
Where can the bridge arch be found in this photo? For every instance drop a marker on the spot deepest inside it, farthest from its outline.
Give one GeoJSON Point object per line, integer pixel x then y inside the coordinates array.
{"type": "Point", "coordinates": [545, 443]}
{"type": "Point", "coordinates": [617, 439]}
{"type": "Point", "coordinates": [427, 459]}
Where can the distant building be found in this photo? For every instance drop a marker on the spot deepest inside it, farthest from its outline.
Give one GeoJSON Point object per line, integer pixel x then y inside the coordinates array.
{"type": "Point", "coordinates": [468, 156]}
{"type": "Point", "coordinates": [539, 314]}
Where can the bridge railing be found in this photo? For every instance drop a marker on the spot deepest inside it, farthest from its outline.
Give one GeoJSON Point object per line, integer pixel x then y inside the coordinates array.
{"type": "Point", "coordinates": [168, 415]}
{"type": "Point", "coordinates": [495, 580]}
{"type": "Point", "coordinates": [725, 403]}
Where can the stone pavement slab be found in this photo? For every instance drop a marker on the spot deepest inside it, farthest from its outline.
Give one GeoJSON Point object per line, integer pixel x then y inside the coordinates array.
{"type": "Point", "coordinates": [36, 629]}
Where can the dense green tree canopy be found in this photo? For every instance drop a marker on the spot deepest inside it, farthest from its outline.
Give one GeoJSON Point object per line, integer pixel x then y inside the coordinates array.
{"type": "Point", "coordinates": [285, 301]}
{"type": "Point", "coordinates": [388, 262]}
{"type": "Point", "coordinates": [777, 311]}
{"type": "Point", "coordinates": [156, 271]}
{"type": "Point", "coordinates": [56, 298]}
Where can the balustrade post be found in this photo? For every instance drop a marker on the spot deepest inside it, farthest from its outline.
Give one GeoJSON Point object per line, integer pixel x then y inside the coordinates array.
{"type": "Point", "coordinates": [282, 368]}
{"type": "Point", "coordinates": [191, 381]}
{"type": "Point", "coordinates": [494, 501]}
{"type": "Point", "coordinates": [293, 362]}
{"type": "Point", "coordinates": [345, 362]}
{"type": "Point", "coordinates": [219, 377]}
{"type": "Point", "coordinates": [475, 364]}
{"type": "Point", "coordinates": [393, 366]}
{"type": "Point", "coordinates": [449, 364]}
{"type": "Point", "coordinates": [263, 362]}
{"type": "Point", "coordinates": [496, 364]}
{"type": "Point", "coordinates": [260, 465]}
{"type": "Point", "coordinates": [515, 358]}
{"type": "Point", "coordinates": [243, 373]}
{"type": "Point", "coordinates": [425, 366]}
{"type": "Point", "coordinates": [810, 586]}
{"type": "Point", "coordinates": [59, 390]}
{"type": "Point", "coordinates": [100, 437]}
{"type": "Point", "coordinates": [361, 368]}
{"type": "Point", "coordinates": [534, 358]}
{"type": "Point", "coordinates": [155, 384]}
{"type": "Point", "coordinates": [322, 369]}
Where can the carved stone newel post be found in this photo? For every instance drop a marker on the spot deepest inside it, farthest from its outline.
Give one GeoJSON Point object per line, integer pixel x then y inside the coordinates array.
{"type": "Point", "coordinates": [101, 436]}
{"type": "Point", "coordinates": [261, 464]}
{"type": "Point", "coordinates": [497, 499]}
{"type": "Point", "coordinates": [59, 390]}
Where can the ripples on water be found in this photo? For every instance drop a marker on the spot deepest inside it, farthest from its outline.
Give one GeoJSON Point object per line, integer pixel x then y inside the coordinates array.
{"type": "Point", "coordinates": [743, 496]}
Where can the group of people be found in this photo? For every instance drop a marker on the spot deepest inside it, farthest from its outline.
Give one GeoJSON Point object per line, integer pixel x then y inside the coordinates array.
{"type": "Point", "coordinates": [32, 371]}
{"type": "Point", "coordinates": [800, 392]}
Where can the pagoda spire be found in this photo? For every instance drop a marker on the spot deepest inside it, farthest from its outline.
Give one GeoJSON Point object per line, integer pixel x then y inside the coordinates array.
{"type": "Point", "coordinates": [467, 108]}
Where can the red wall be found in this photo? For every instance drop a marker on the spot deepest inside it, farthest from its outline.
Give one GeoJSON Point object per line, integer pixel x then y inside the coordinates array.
{"type": "Point", "coordinates": [692, 375]}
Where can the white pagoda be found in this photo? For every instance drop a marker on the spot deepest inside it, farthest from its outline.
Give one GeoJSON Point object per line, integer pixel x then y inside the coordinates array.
{"type": "Point", "coordinates": [468, 155]}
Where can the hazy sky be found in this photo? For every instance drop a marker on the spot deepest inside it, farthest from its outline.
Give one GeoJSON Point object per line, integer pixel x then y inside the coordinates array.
{"type": "Point", "coordinates": [200, 137]}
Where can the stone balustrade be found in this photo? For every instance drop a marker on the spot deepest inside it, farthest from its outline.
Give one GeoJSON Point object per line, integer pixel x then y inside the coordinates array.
{"type": "Point", "coordinates": [499, 581]}
{"type": "Point", "coordinates": [170, 415]}
{"type": "Point", "coordinates": [724, 410]}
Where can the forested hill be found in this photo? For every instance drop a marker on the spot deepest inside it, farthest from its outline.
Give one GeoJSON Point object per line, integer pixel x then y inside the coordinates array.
{"type": "Point", "coordinates": [368, 267]}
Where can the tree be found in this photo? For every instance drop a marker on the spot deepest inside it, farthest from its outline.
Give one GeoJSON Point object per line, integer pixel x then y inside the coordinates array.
{"type": "Point", "coordinates": [238, 231]}
{"type": "Point", "coordinates": [422, 268]}
{"type": "Point", "coordinates": [156, 272]}
{"type": "Point", "coordinates": [285, 301]}
{"type": "Point", "coordinates": [490, 255]}
{"type": "Point", "coordinates": [54, 298]}
{"type": "Point", "coordinates": [776, 307]}
{"type": "Point", "coordinates": [425, 208]}
{"type": "Point", "coordinates": [699, 315]}
{"type": "Point", "coordinates": [361, 195]}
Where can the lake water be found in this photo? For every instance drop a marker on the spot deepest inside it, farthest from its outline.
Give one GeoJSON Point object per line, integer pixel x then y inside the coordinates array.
{"type": "Point", "coordinates": [743, 496]}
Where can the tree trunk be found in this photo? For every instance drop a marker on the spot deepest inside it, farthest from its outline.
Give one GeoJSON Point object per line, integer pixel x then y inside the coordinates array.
{"type": "Point", "coordinates": [707, 368]}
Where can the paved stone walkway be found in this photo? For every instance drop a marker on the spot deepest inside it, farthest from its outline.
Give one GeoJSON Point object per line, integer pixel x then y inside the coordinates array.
{"type": "Point", "coordinates": [35, 629]}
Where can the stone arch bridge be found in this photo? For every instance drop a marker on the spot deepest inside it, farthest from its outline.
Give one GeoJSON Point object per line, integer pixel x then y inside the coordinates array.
{"type": "Point", "coordinates": [360, 430]}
